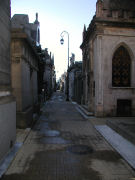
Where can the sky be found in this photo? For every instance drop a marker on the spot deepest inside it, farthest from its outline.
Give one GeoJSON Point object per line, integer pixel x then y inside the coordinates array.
{"type": "Point", "coordinates": [56, 16]}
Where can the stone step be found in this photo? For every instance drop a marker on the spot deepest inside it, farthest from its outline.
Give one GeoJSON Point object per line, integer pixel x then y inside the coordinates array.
{"type": "Point", "coordinates": [84, 109]}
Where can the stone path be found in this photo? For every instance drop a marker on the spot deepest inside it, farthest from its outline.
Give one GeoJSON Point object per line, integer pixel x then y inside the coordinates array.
{"type": "Point", "coordinates": [65, 146]}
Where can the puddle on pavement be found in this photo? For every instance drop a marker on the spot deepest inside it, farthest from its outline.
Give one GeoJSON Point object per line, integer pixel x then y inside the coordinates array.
{"type": "Point", "coordinates": [79, 139]}
{"type": "Point", "coordinates": [57, 165]}
{"type": "Point", "coordinates": [41, 126]}
{"type": "Point", "coordinates": [106, 155]}
{"type": "Point", "coordinates": [51, 133]}
{"type": "Point", "coordinates": [54, 125]}
{"type": "Point", "coordinates": [50, 120]}
{"type": "Point", "coordinates": [44, 117]}
{"type": "Point", "coordinates": [44, 126]}
{"type": "Point", "coordinates": [54, 140]}
{"type": "Point", "coordinates": [80, 149]}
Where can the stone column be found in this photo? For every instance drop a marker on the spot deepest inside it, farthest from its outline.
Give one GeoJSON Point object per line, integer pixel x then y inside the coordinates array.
{"type": "Point", "coordinates": [99, 87]}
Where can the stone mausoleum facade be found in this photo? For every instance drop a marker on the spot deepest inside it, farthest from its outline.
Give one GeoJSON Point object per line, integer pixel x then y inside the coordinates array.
{"type": "Point", "coordinates": [108, 50]}
{"type": "Point", "coordinates": [75, 81]}
{"type": "Point", "coordinates": [7, 101]}
{"type": "Point", "coordinates": [24, 67]}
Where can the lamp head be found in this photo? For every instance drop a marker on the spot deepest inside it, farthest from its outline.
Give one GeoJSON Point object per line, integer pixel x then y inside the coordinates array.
{"type": "Point", "coordinates": [62, 41]}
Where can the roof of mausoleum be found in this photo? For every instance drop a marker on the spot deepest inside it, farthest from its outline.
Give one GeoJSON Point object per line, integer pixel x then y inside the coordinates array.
{"type": "Point", "coordinates": [119, 4]}
{"type": "Point", "coordinates": [114, 13]}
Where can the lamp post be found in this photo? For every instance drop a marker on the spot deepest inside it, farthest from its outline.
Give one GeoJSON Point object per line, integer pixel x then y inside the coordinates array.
{"type": "Point", "coordinates": [62, 42]}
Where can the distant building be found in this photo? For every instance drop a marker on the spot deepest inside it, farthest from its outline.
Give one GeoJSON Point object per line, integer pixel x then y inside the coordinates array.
{"type": "Point", "coordinates": [75, 84]}
{"type": "Point", "coordinates": [7, 101]}
{"type": "Point", "coordinates": [25, 38]}
{"type": "Point", "coordinates": [78, 85]}
{"type": "Point", "coordinates": [49, 74]}
{"type": "Point", "coordinates": [63, 78]}
{"type": "Point", "coordinates": [108, 50]}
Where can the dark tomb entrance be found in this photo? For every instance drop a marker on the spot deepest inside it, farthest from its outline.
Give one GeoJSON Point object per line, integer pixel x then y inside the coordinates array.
{"type": "Point", "coordinates": [124, 107]}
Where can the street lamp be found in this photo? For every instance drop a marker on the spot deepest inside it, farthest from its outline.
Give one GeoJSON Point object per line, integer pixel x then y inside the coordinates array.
{"type": "Point", "coordinates": [62, 42]}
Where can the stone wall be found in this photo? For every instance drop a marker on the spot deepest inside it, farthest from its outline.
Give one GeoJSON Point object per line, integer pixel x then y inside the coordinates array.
{"type": "Point", "coordinates": [34, 86]}
{"type": "Point", "coordinates": [7, 102]}
{"type": "Point", "coordinates": [24, 77]}
{"type": "Point", "coordinates": [105, 45]}
{"type": "Point", "coordinates": [71, 84]}
{"type": "Point", "coordinates": [7, 126]}
{"type": "Point", "coordinates": [110, 43]}
{"type": "Point", "coordinates": [26, 88]}
{"type": "Point", "coordinates": [5, 42]}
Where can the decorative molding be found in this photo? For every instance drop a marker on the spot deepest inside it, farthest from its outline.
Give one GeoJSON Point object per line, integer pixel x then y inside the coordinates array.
{"type": "Point", "coordinates": [16, 60]}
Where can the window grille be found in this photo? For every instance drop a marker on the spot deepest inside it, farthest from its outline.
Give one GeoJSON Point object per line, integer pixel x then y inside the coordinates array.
{"type": "Point", "coordinates": [121, 67]}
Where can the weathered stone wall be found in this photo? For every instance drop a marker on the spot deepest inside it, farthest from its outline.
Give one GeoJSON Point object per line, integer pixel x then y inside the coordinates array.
{"type": "Point", "coordinates": [104, 47]}
{"type": "Point", "coordinates": [34, 86]}
{"type": "Point", "coordinates": [112, 26]}
{"type": "Point", "coordinates": [24, 77]}
{"type": "Point", "coordinates": [7, 127]}
{"type": "Point", "coordinates": [7, 102]}
{"type": "Point", "coordinates": [48, 79]}
{"type": "Point", "coordinates": [4, 43]}
{"type": "Point", "coordinates": [71, 84]}
{"type": "Point", "coordinates": [110, 42]}
{"type": "Point", "coordinates": [78, 87]}
{"type": "Point", "coordinates": [15, 72]}
{"type": "Point", "coordinates": [26, 86]}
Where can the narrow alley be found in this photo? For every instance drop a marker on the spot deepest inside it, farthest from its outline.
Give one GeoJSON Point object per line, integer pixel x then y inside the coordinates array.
{"type": "Point", "coordinates": [65, 146]}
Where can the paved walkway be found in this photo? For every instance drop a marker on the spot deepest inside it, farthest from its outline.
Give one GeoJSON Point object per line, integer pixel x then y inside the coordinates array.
{"type": "Point", "coordinates": [125, 148]}
{"type": "Point", "coordinates": [124, 126]}
{"type": "Point", "coordinates": [65, 146]}
{"type": "Point", "coordinates": [121, 135]}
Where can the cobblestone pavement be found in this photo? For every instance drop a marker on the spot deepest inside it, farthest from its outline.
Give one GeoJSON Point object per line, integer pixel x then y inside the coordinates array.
{"type": "Point", "coordinates": [64, 146]}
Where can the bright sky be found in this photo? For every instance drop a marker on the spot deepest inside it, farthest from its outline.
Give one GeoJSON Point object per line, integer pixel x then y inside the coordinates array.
{"type": "Point", "coordinates": [56, 16]}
